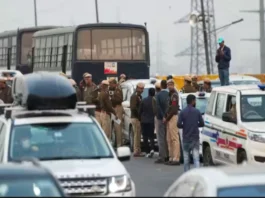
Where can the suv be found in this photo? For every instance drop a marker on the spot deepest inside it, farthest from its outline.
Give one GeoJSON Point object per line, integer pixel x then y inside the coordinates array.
{"type": "Point", "coordinates": [128, 88]}
{"type": "Point", "coordinates": [234, 134]}
{"type": "Point", "coordinates": [66, 140]}
{"type": "Point", "coordinates": [19, 180]}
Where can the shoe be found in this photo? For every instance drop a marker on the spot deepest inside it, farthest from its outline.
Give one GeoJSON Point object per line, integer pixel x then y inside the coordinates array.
{"type": "Point", "coordinates": [173, 163]}
{"type": "Point", "coordinates": [151, 154]}
{"type": "Point", "coordinates": [159, 161]}
{"type": "Point", "coordinates": [167, 162]}
{"type": "Point", "coordinates": [138, 155]}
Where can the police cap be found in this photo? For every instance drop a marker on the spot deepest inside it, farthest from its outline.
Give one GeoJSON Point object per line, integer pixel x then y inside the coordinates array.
{"type": "Point", "coordinates": [158, 85]}
{"type": "Point", "coordinates": [207, 80]}
{"type": "Point", "coordinates": [113, 80]}
{"type": "Point", "coordinates": [87, 75]}
{"type": "Point", "coordinates": [105, 82]}
{"type": "Point", "coordinates": [140, 85]}
{"type": "Point", "coordinates": [122, 76]}
{"type": "Point", "coordinates": [187, 78]}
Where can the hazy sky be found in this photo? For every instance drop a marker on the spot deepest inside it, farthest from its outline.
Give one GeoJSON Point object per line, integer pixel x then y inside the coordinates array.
{"type": "Point", "coordinates": [159, 15]}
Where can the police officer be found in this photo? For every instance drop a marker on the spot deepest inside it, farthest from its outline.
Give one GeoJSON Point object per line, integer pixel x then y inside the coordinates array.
{"type": "Point", "coordinates": [187, 88]}
{"type": "Point", "coordinates": [116, 99]}
{"type": "Point", "coordinates": [122, 78]}
{"type": "Point", "coordinates": [5, 91]}
{"type": "Point", "coordinates": [135, 102]}
{"type": "Point", "coordinates": [171, 119]}
{"type": "Point", "coordinates": [82, 84]}
{"type": "Point", "coordinates": [106, 108]}
{"type": "Point", "coordinates": [195, 83]}
{"type": "Point", "coordinates": [207, 86]}
{"type": "Point", "coordinates": [78, 92]}
{"type": "Point", "coordinates": [95, 101]}
{"type": "Point", "coordinates": [88, 88]}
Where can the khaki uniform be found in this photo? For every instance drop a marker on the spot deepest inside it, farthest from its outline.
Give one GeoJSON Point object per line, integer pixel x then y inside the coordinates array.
{"type": "Point", "coordinates": [209, 90]}
{"type": "Point", "coordinates": [121, 80]}
{"type": "Point", "coordinates": [135, 102]}
{"type": "Point", "coordinates": [106, 111]}
{"type": "Point", "coordinates": [95, 101]}
{"type": "Point", "coordinates": [87, 93]}
{"type": "Point", "coordinates": [172, 130]}
{"type": "Point", "coordinates": [116, 100]}
{"type": "Point", "coordinates": [188, 89]}
{"type": "Point", "coordinates": [196, 86]}
{"type": "Point", "coordinates": [6, 95]}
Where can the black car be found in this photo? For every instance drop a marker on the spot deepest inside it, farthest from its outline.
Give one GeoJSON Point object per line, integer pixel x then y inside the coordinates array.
{"type": "Point", "coordinates": [28, 180]}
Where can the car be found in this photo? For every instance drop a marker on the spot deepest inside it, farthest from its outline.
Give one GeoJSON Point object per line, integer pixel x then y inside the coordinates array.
{"type": "Point", "coordinates": [28, 180]}
{"type": "Point", "coordinates": [232, 138]}
{"type": "Point", "coordinates": [227, 181]}
{"type": "Point", "coordinates": [201, 103]}
{"type": "Point", "coordinates": [49, 125]}
{"type": "Point", "coordinates": [235, 80]}
{"type": "Point", "coordinates": [128, 88]}
{"type": "Point", "coordinates": [10, 75]}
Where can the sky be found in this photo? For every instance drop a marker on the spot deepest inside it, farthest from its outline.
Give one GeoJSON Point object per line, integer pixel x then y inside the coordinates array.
{"type": "Point", "coordinates": [159, 16]}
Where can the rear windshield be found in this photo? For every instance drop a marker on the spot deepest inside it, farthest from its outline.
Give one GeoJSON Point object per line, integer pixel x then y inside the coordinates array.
{"type": "Point", "coordinates": [242, 191]}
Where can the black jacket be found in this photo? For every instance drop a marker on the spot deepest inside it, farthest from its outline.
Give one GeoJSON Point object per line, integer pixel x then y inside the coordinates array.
{"type": "Point", "coordinates": [223, 61]}
{"type": "Point", "coordinates": [146, 110]}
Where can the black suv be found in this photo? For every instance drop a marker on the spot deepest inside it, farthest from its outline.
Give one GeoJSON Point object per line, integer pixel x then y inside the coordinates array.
{"type": "Point", "coordinates": [21, 179]}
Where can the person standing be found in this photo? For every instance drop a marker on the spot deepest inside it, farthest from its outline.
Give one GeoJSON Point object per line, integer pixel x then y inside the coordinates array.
{"type": "Point", "coordinates": [157, 90]}
{"type": "Point", "coordinates": [161, 107]}
{"type": "Point", "coordinates": [223, 58]}
{"type": "Point", "coordinates": [135, 102]}
{"type": "Point", "coordinates": [88, 90]}
{"type": "Point", "coordinates": [171, 119]}
{"type": "Point", "coordinates": [5, 91]}
{"type": "Point", "coordinates": [95, 101]}
{"type": "Point", "coordinates": [207, 86]}
{"type": "Point", "coordinates": [187, 88]}
{"type": "Point", "coordinates": [116, 100]}
{"type": "Point", "coordinates": [147, 122]}
{"type": "Point", "coordinates": [190, 119]}
{"type": "Point", "coordinates": [106, 108]}
{"type": "Point", "coordinates": [194, 82]}
{"type": "Point", "coordinates": [122, 78]}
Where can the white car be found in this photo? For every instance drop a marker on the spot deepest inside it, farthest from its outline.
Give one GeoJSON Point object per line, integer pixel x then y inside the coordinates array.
{"type": "Point", "coordinates": [128, 88]}
{"type": "Point", "coordinates": [201, 103]}
{"type": "Point", "coordinates": [228, 181]}
{"type": "Point", "coordinates": [232, 138]}
{"type": "Point", "coordinates": [68, 141]}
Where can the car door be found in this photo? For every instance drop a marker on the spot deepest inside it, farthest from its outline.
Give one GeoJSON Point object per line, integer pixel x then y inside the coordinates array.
{"type": "Point", "coordinates": [127, 112]}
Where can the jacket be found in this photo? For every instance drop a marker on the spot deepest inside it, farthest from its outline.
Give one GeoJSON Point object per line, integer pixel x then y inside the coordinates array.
{"type": "Point", "coordinates": [223, 61]}
{"type": "Point", "coordinates": [146, 110]}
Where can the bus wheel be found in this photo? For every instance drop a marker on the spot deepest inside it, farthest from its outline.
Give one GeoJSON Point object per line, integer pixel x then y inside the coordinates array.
{"type": "Point", "coordinates": [241, 156]}
{"type": "Point", "coordinates": [207, 156]}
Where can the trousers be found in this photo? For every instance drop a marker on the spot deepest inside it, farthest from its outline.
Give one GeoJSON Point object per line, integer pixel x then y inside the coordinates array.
{"type": "Point", "coordinates": [118, 127]}
{"type": "Point", "coordinates": [148, 135]}
{"type": "Point", "coordinates": [193, 147]}
{"type": "Point", "coordinates": [106, 123]}
{"type": "Point", "coordinates": [224, 76]}
{"type": "Point", "coordinates": [173, 139]}
{"type": "Point", "coordinates": [97, 116]}
{"type": "Point", "coordinates": [161, 139]}
{"type": "Point", "coordinates": [137, 135]}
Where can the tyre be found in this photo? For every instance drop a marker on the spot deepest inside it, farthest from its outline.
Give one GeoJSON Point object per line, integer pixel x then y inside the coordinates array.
{"type": "Point", "coordinates": [207, 156]}
{"type": "Point", "coordinates": [241, 156]}
{"type": "Point", "coordinates": [131, 139]}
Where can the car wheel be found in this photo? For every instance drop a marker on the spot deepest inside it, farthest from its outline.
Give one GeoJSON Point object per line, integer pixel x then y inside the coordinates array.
{"type": "Point", "coordinates": [131, 139]}
{"type": "Point", "coordinates": [241, 156]}
{"type": "Point", "coordinates": [113, 136]}
{"type": "Point", "coordinates": [207, 156]}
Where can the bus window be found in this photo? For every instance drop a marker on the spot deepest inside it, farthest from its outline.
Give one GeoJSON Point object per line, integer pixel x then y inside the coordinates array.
{"type": "Point", "coordinates": [138, 41]}
{"type": "Point", "coordinates": [26, 47]}
{"type": "Point", "coordinates": [84, 45]}
{"type": "Point", "coordinates": [109, 44]}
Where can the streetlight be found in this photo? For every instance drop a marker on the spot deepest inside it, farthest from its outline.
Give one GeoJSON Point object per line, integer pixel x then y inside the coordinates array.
{"type": "Point", "coordinates": [35, 13]}
{"type": "Point", "coordinates": [96, 7]}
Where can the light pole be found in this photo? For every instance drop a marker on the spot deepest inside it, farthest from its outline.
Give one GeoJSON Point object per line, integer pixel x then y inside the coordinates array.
{"type": "Point", "coordinates": [96, 6]}
{"type": "Point", "coordinates": [35, 13]}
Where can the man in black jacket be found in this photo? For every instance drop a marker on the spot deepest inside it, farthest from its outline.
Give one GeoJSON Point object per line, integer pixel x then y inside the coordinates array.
{"type": "Point", "coordinates": [148, 122]}
{"type": "Point", "coordinates": [223, 58]}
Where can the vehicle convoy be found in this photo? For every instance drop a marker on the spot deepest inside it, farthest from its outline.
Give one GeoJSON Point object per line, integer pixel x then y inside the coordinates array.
{"type": "Point", "coordinates": [227, 181]}
{"type": "Point", "coordinates": [234, 125]}
{"type": "Point", "coordinates": [201, 103]}
{"type": "Point", "coordinates": [103, 49]}
{"type": "Point", "coordinates": [15, 48]}
{"type": "Point", "coordinates": [48, 124]}
{"type": "Point", "coordinates": [24, 180]}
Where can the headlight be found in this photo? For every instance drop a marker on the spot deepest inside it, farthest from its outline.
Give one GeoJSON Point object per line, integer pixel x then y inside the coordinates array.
{"type": "Point", "coordinates": [257, 137]}
{"type": "Point", "coordinates": [120, 184]}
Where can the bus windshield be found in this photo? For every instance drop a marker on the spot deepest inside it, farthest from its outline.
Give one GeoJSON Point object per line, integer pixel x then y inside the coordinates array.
{"type": "Point", "coordinates": [26, 47]}
{"type": "Point", "coordinates": [111, 44]}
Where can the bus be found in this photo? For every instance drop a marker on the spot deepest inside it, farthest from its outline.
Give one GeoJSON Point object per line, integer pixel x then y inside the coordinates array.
{"type": "Point", "coordinates": [104, 50]}
{"type": "Point", "coordinates": [15, 48]}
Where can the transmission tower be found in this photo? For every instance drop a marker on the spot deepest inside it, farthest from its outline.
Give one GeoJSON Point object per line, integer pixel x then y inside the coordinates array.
{"type": "Point", "coordinates": [198, 61]}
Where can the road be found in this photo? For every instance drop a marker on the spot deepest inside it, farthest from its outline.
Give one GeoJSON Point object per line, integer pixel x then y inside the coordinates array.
{"type": "Point", "coordinates": [152, 179]}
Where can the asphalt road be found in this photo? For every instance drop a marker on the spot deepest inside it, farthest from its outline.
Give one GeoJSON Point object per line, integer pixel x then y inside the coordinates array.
{"type": "Point", "coordinates": [152, 179]}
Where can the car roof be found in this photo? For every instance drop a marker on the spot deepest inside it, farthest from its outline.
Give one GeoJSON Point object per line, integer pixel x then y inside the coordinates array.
{"type": "Point", "coordinates": [184, 95]}
{"type": "Point", "coordinates": [20, 169]}
{"type": "Point", "coordinates": [245, 89]}
{"type": "Point", "coordinates": [235, 78]}
{"type": "Point", "coordinates": [134, 82]}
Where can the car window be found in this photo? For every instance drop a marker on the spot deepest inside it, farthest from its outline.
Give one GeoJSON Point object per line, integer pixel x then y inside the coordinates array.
{"type": "Point", "coordinates": [210, 105]}
{"type": "Point", "coordinates": [145, 93]}
{"type": "Point", "coordinates": [242, 191]}
{"type": "Point", "coordinates": [124, 93]}
{"type": "Point", "coordinates": [220, 102]}
{"type": "Point", "coordinates": [58, 140]}
{"type": "Point", "coordinates": [200, 104]}
{"type": "Point", "coordinates": [28, 187]}
{"type": "Point", "coordinates": [246, 82]}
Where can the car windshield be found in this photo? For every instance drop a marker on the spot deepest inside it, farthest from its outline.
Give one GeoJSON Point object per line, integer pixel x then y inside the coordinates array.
{"type": "Point", "coordinates": [200, 104]}
{"type": "Point", "coordinates": [32, 187]}
{"type": "Point", "coordinates": [253, 108]}
{"type": "Point", "coordinates": [55, 141]}
{"type": "Point", "coordinates": [242, 191]}
{"type": "Point", "coordinates": [246, 82]}
{"type": "Point", "coordinates": [145, 93]}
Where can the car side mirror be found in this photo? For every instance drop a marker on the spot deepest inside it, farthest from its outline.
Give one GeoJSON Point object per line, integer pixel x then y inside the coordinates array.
{"type": "Point", "coordinates": [126, 104]}
{"type": "Point", "coordinates": [228, 117]}
{"type": "Point", "coordinates": [124, 153]}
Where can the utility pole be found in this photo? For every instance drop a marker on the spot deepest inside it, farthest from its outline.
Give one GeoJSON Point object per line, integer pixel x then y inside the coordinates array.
{"type": "Point", "coordinates": [205, 38]}
{"type": "Point", "coordinates": [261, 40]}
{"type": "Point", "coordinates": [96, 6]}
{"type": "Point", "coordinates": [35, 13]}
